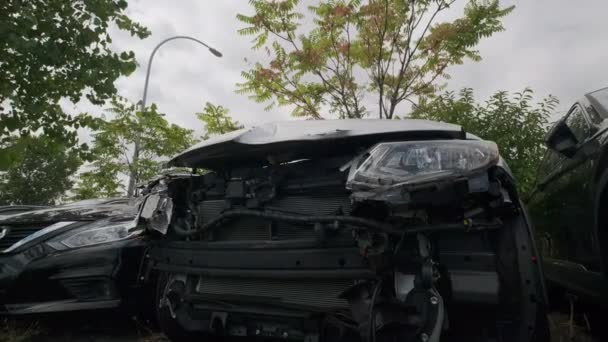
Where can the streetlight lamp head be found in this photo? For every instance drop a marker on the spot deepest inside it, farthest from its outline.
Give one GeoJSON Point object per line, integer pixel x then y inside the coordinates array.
{"type": "Point", "coordinates": [215, 52]}
{"type": "Point", "coordinates": [142, 103]}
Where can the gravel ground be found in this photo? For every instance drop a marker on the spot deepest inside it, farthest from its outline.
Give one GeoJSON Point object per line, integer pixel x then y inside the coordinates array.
{"type": "Point", "coordinates": [107, 327]}
{"type": "Point", "coordinates": [563, 329]}
{"type": "Point", "coordinates": [94, 327]}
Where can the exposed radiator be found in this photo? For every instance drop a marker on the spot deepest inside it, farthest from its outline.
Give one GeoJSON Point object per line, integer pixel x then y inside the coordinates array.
{"type": "Point", "coordinates": [260, 229]}
{"type": "Point", "coordinates": [317, 293]}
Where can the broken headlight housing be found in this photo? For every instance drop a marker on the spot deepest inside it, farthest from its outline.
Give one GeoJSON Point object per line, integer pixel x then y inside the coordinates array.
{"type": "Point", "coordinates": [413, 162]}
{"type": "Point", "coordinates": [95, 234]}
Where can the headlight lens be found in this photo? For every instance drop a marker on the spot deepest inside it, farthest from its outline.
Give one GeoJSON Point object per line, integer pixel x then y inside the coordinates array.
{"type": "Point", "coordinates": [397, 163]}
{"type": "Point", "coordinates": [95, 234]}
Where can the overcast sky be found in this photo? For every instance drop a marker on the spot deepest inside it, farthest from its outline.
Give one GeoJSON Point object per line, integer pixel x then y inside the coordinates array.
{"type": "Point", "coordinates": [556, 47]}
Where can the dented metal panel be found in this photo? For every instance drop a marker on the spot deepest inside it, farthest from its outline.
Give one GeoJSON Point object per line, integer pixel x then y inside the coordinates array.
{"type": "Point", "coordinates": [260, 139]}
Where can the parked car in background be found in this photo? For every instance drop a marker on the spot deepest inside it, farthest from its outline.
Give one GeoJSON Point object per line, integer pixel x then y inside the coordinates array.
{"type": "Point", "coordinates": [345, 230]}
{"type": "Point", "coordinates": [78, 256]}
{"type": "Point", "coordinates": [569, 207]}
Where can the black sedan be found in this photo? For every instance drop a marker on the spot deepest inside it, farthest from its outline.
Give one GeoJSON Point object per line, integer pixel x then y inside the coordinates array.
{"type": "Point", "coordinates": [569, 207]}
{"type": "Point", "coordinates": [84, 255]}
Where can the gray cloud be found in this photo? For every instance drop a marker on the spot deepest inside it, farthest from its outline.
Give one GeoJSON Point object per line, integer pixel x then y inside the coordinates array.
{"type": "Point", "coordinates": [554, 46]}
{"type": "Point", "coordinates": [185, 75]}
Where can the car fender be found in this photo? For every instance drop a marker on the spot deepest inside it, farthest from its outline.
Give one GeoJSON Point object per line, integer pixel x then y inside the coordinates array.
{"type": "Point", "coordinates": [599, 234]}
{"type": "Point", "coordinates": [540, 281]}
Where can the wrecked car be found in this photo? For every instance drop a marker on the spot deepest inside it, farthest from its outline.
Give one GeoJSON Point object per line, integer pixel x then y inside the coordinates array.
{"type": "Point", "coordinates": [345, 230]}
{"type": "Point", "coordinates": [78, 256]}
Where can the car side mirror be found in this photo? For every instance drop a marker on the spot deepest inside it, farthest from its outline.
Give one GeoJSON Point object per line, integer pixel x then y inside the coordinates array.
{"type": "Point", "coordinates": [561, 139]}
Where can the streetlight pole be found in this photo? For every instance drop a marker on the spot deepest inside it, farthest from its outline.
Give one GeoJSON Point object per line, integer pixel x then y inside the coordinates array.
{"type": "Point", "coordinates": [135, 158]}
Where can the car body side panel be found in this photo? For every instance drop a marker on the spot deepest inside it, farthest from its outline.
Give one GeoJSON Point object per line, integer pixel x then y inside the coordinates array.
{"type": "Point", "coordinates": [601, 219]}
{"type": "Point", "coordinates": [574, 191]}
{"type": "Point", "coordinates": [591, 286]}
{"type": "Point", "coordinates": [545, 207]}
{"type": "Point", "coordinates": [565, 209]}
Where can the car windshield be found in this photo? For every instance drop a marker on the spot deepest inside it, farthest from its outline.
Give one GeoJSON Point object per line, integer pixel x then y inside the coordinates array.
{"type": "Point", "coordinates": [601, 96]}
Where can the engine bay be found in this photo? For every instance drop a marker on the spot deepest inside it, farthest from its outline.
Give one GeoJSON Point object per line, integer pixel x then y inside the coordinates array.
{"type": "Point", "coordinates": [293, 251]}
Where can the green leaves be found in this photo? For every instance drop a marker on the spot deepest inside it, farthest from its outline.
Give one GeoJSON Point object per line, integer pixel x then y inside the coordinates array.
{"type": "Point", "coordinates": [217, 120]}
{"type": "Point", "coordinates": [37, 170]}
{"type": "Point", "coordinates": [513, 121]}
{"type": "Point", "coordinates": [355, 52]}
{"type": "Point", "coordinates": [450, 43]}
{"type": "Point", "coordinates": [113, 148]}
{"type": "Point", "coordinates": [55, 49]}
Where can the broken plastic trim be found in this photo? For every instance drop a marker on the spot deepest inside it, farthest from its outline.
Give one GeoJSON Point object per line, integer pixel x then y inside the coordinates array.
{"type": "Point", "coordinates": [466, 225]}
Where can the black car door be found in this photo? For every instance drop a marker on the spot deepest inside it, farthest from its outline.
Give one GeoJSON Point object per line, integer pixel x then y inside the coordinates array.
{"type": "Point", "coordinates": [545, 209]}
{"type": "Point", "coordinates": [562, 212]}
{"type": "Point", "coordinates": [573, 183]}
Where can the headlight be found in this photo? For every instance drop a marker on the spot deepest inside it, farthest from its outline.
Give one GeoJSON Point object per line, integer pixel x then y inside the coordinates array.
{"type": "Point", "coordinates": [95, 234]}
{"type": "Point", "coordinates": [396, 163]}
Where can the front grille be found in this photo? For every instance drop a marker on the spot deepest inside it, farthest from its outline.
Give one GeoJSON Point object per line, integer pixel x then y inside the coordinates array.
{"type": "Point", "coordinates": [248, 228]}
{"type": "Point", "coordinates": [90, 288]}
{"type": "Point", "coordinates": [317, 293]}
{"type": "Point", "coordinates": [16, 233]}
{"type": "Point", "coordinates": [251, 229]}
{"type": "Point", "coordinates": [320, 204]}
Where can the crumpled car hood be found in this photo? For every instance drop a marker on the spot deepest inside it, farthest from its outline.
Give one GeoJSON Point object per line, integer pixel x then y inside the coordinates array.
{"type": "Point", "coordinates": [297, 138]}
{"type": "Point", "coordinates": [88, 210]}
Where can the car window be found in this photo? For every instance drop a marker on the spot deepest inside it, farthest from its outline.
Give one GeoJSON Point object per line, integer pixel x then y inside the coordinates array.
{"type": "Point", "coordinates": [601, 96]}
{"type": "Point", "coordinates": [549, 164]}
{"type": "Point", "coordinates": [578, 124]}
{"type": "Point", "coordinates": [593, 114]}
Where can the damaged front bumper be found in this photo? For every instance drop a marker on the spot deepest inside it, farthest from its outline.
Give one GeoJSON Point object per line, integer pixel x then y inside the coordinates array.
{"type": "Point", "coordinates": [39, 280]}
{"type": "Point", "coordinates": [310, 252]}
{"type": "Point", "coordinates": [298, 290]}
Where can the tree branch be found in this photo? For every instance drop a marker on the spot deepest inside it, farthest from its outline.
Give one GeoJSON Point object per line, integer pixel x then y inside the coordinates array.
{"type": "Point", "coordinates": [413, 52]}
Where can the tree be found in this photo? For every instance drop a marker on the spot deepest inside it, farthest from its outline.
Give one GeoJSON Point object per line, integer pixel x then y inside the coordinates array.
{"type": "Point", "coordinates": [512, 121]}
{"type": "Point", "coordinates": [102, 177]}
{"type": "Point", "coordinates": [56, 49]}
{"type": "Point", "coordinates": [113, 145]}
{"type": "Point", "coordinates": [39, 172]}
{"type": "Point", "coordinates": [217, 120]}
{"type": "Point", "coordinates": [382, 52]}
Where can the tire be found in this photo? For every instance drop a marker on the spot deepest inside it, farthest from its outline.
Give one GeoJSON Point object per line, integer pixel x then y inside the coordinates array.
{"type": "Point", "coordinates": [169, 326]}
{"type": "Point", "coordinates": [556, 296]}
{"type": "Point", "coordinates": [597, 321]}
{"type": "Point", "coordinates": [542, 332]}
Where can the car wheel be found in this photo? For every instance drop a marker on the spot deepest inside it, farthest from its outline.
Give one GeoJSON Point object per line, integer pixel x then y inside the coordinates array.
{"type": "Point", "coordinates": [168, 325]}
{"type": "Point", "coordinates": [542, 333]}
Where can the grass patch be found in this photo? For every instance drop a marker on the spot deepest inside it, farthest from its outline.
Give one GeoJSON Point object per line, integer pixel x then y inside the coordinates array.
{"type": "Point", "coordinates": [93, 328]}
{"type": "Point", "coordinates": [83, 327]}
{"type": "Point", "coordinates": [569, 329]}
{"type": "Point", "coordinates": [18, 330]}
